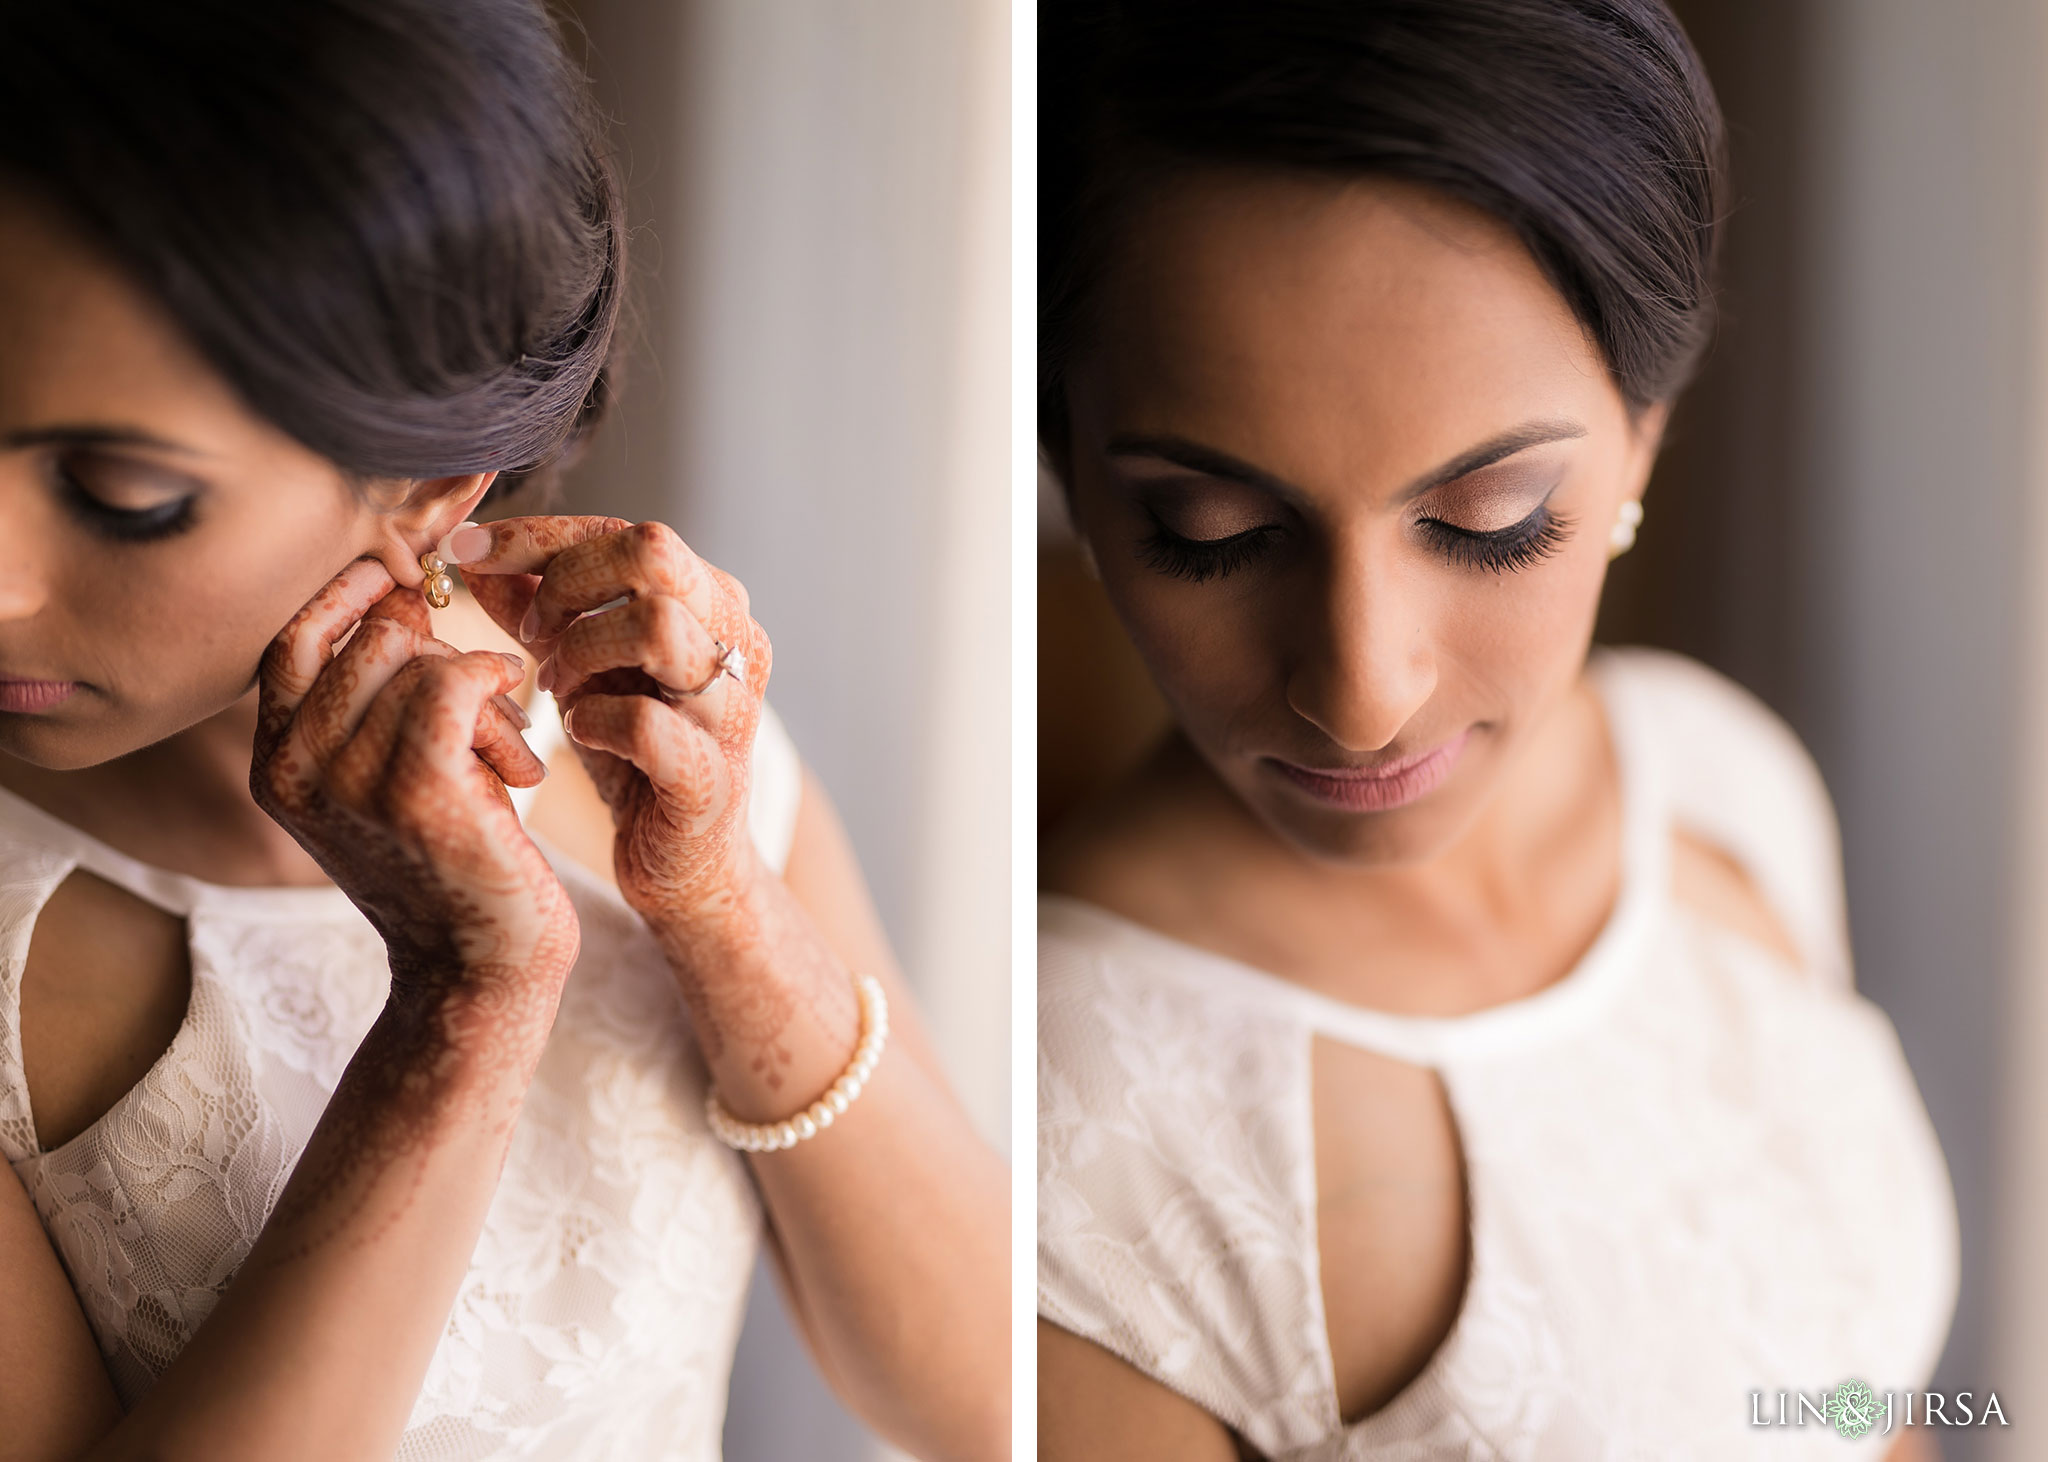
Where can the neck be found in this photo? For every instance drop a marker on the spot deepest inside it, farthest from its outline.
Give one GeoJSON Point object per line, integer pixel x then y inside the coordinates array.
{"type": "Point", "coordinates": [182, 804]}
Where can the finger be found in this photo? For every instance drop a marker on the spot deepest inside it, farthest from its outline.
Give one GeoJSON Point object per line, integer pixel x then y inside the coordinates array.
{"type": "Point", "coordinates": [656, 635]}
{"type": "Point", "coordinates": [679, 758]}
{"type": "Point", "coordinates": [521, 545]}
{"type": "Point", "coordinates": [303, 647]}
{"type": "Point", "coordinates": [407, 609]}
{"type": "Point", "coordinates": [498, 741]}
{"type": "Point", "coordinates": [355, 775]}
{"type": "Point", "coordinates": [434, 743]}
{"type": "Point", "coordinates": [614, 778]}
{"type": "Point", "coordinates": [334, 707]}
{"type": "Point", "coordinates": [746, 634]}
{"type": "Point", "coordinates": [637, 562]}
{"type": "Point", "coordinates": [357, 763]}
{"type": "Point", "coordinates": [504, 597]}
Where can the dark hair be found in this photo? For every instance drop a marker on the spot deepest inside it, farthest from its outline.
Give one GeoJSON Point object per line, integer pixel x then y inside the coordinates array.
{"type": "Point", "coordinates": [392, 225]}
{"type": "Point", "coordinates": [1586, 126]}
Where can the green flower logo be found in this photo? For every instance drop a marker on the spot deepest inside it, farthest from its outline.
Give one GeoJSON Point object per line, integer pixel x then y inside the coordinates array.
{"type": "Point", "coordinates": [1853, 1408]}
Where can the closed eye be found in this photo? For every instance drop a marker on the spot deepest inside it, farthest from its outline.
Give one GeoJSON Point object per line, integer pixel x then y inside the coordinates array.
{"type": "Point", "coordinates": [1201, 559]}
{"type": "Point", "coordinates": [1500, 550]}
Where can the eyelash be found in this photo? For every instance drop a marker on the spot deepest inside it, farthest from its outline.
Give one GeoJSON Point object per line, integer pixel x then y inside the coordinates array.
{"type": "Point", "coordinates": [1198, 560]}
{"type": "Point", "coordinates": [123, 525]}
{"type": "Point", "coordinates": [1500, 550]}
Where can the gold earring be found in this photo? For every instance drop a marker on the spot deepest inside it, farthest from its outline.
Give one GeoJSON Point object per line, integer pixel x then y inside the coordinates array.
{"type": "Point", "coordinates": [439, 588]}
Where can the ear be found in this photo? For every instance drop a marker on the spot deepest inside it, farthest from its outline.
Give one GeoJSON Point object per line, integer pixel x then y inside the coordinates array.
{"type": "Point", "coordinates": [419, 514]}
{"type": "Point", "coordinates": [1647, 436]}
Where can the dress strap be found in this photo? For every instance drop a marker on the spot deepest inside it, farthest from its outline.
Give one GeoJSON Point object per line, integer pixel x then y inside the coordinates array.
{"type": "Point", "coordinates": [23, 822]}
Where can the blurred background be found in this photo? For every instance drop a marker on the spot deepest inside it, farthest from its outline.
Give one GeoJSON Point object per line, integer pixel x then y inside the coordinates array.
{"type": "Point", "coordinates": [1851, 518]}
{"type": "Point", "coordinates": [817, 399]}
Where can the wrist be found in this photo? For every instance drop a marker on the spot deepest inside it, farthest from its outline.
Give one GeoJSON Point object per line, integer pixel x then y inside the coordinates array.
{"type": "Point", "coordinates": [471, 1015]}
{"type": "Point", "coordinates": [720, 921]}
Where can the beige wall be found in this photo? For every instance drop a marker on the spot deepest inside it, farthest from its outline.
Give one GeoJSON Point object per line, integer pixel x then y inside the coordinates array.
{"type": "Point", "coordinates": [819, 402]}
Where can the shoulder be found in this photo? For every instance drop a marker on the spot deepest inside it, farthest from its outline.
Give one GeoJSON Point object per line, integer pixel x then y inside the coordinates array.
{"type": "Point", "coordinates": [1733, 774]}
{"type": "Point", "coordinates": [1175, 1162]}
{"type": "Point", "coordinates": [1121, 1007]}
{"type": "Point", "coordinates": [1709, 726]}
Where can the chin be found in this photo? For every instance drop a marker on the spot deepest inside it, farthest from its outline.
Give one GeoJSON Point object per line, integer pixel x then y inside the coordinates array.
{"type": "Point", "coordinates": [76, 737]}
{"type": "Point", "coordinates": [35, 740]}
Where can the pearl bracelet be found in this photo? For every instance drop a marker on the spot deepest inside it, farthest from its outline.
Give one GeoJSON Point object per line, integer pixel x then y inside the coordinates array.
{"type": "Point", "coordinates": [827, 1109]}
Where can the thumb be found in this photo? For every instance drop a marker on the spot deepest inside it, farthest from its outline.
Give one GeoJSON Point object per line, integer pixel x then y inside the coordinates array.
{"type": "Point", "coordinates": [505, 597]}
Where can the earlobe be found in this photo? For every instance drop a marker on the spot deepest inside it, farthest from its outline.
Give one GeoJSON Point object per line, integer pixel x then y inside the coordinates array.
{"type": "Point", "coordinates": [426, 512]}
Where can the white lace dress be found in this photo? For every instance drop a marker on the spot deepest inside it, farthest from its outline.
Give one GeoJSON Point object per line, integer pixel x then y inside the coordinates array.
{"type": "Point", "coordinates": [600, 1311]}
{"type": "Point", "coordinates": [1694, 1172]}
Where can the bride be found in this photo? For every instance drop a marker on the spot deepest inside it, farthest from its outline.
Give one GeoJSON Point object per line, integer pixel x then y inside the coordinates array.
{"type": "Point", "coordinates": [1447, 1040]}
{"type": "Point", "coordinates": [374, 1079]}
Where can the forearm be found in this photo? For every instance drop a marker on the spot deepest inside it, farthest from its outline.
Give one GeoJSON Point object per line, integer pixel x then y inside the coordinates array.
{"type": "Point", "coordinates": [891, 1226]}
{"type": "Point", "coordinates": [318, 1348]}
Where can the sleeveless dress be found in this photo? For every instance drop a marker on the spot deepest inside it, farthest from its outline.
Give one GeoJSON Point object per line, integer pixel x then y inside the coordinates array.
{"type": "Point", "coordinates": [1694, 1173]}
{"type": "Point", "coordinates": [601, 1307]}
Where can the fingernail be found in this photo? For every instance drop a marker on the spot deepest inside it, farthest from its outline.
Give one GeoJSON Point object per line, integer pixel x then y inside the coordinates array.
{"type": "Point", "coordinates": [529, 626]}
{"type": "Point", "coordinates": [545, 678]}
{"type": "Point", "coordinates": [464, 543]}
{"type": "Point", "coordinates": [514, 712]}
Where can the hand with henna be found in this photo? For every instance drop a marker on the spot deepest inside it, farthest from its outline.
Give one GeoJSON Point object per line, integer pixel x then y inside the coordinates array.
{"type": "Point", "coordinates": [386, 753]}
{"type": "Point", "coordinates": [660, 671]}
{"type": "Point", "coordinates": [388, 759]}
{"type": "Point", "coordinates": [661, 697]}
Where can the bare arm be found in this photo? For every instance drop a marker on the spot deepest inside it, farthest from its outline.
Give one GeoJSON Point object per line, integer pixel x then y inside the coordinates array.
{"type": "Point", "coordinates": [906, 1307]}
{"type": "Point", "coordinates": [1092, 1407]}
{"type": "Point", "coordinates": [55, 1399]}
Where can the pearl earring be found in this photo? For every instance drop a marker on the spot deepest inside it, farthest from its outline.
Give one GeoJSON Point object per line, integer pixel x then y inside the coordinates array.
{"type": "Point", "coordinates": [439, 588]}
{"type": "Point", "coordinates": [1622, 536]}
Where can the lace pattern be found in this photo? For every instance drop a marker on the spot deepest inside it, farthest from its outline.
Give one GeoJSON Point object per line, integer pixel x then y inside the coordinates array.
{"type": "Point", "coordinates": [1693, 1172]}
{"type": "Point", "coordinates": [598, 1315]}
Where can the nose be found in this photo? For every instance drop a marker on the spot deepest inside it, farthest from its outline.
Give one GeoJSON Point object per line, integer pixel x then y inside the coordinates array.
{"type": "Point", "coordinates": [24, 564]}
{"type": "Point", "coordinates": [1373, 666]}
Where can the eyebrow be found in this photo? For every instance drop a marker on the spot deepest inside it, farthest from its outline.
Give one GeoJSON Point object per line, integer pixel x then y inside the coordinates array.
{"type": "Point", "coordinates": [92, 436]}
{"type": "Point", "coordinates": [1212, 463]}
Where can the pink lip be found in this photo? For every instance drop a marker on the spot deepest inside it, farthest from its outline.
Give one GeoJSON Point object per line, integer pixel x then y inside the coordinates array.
{"type": "Point", "coordinates": [34, 695]}
{"type": "Point", "coordinates": [1380, 788]}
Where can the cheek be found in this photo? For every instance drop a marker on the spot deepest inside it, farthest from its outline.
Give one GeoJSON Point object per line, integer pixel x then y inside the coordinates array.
{"type": "Point", "coordinates": [1522, 637]}
{"type": "Point", "coordinates": [183, 626]}
{"type": "Point", "coordinates": [1207, 645]}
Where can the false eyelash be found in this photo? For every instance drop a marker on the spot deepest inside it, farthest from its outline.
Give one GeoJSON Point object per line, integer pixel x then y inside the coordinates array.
{"type": "Point", "coordinates": [1501, 550]}
{"type": "Point", "coordinates": [124, 525]}
{"type": "Point", "coordinates": [1200, 559]}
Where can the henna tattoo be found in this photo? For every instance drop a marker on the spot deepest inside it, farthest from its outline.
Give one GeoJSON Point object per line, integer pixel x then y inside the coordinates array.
{"type": "Point", "coordinates": [671, 755]}
{"type": "Point", "coordinates": [384, 760]}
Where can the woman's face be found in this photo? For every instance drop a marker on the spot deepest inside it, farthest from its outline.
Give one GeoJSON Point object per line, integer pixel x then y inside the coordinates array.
{"type": "Point", "coordinates": [1348, 466]}
{"type": "Point", "coordinates": [158, 533]}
